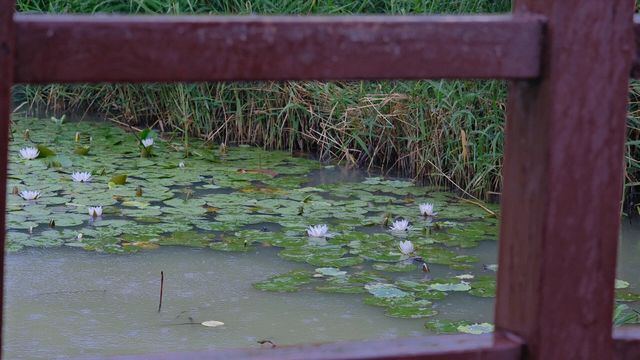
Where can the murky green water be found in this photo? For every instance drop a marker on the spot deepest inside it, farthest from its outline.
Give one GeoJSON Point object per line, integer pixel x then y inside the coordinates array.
{"type": "Point", "coordinates": [229, 230]}
{"type": "Point", "coordinates": [67, 302]}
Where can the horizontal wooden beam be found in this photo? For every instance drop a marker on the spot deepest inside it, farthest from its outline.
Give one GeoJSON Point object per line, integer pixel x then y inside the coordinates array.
{"type": "Point", "coordinates": [110, 48]}
{"type": "Point", "coordinates": [626, 341]}
{"type": "Point", "coordinates": [450, 347]}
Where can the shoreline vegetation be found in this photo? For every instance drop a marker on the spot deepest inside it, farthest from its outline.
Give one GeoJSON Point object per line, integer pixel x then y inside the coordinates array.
{"type": "Point", "coordinates": [439, 132]}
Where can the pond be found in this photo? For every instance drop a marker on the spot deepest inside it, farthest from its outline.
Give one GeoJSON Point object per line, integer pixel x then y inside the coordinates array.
{"type": "Point", "coordinates": [228, 227]}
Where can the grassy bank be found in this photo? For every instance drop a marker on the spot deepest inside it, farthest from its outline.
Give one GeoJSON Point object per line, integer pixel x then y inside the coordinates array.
{"type": "Point", "coordinates": [444, 132]}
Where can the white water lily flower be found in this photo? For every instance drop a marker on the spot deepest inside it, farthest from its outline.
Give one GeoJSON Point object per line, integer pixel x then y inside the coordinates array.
{"type": "Point", "coordinates": [29, 195]}
{"type": "Point", "coordinates": [181, 164]}
{"type": "Point", "coordinates": [427, 210]}
{"type": "Point", "coordinates": [79, 236]}
{"type": "Point", "coordinates": [147, 142]}
{"type": "Point", "coordinates": [29, 153]}
{"type": "Point", "coordinates": [400, 225]}
{"type": "Point", "coordinates": [406, 247]}
{"type": "Point", "coordinates": [317, 231]}
{"type": "Point", "coordinates": [81, 176]}
{"type": "Point", "coordinates": [95, 211]}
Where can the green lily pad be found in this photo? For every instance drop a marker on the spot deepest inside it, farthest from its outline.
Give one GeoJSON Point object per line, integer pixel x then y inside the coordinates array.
{"type": "Point", "coordinates": [476, 329]}
{"type": "Point", "coordinates": [413, 310]}
{"type": "Point", "coordinates": [484, 286]}
{"type": "Point", "coordinates": [289, 282]}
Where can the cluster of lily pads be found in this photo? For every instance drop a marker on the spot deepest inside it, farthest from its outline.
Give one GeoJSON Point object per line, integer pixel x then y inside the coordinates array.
{"type": "Point", "coordinates": [357, 237]}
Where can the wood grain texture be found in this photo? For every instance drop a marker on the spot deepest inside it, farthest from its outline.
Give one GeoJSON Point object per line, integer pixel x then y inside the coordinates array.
{"type": "Point", "coordinates": [450, 347]}
{"type": "Point", "coordinates": [627, 342]}
{"type": "Point", "coordinates": [6, 80]}
{"type": "Point", "coordinates": [563, 180]}
{"type": "Point", "coordinates": [101, 48]}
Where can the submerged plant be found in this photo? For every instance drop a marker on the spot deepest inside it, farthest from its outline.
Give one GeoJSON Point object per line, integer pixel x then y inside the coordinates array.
{"type": "Point", "coordinates": [81, 176]}
{"type": "Point", "coordinates": [29, 195]}
{"type": "Point", "coordinates": [400, 226]}
{"type": "Point", "coordinates": [426, 209]}
{"type": "Point", "coordinates": [318, 231]}
{"type": "Point", "coordinates": [29, 153]}
{"type": "Point", "coordinates": [406, 247]}
{"type": "Point", "coordinates": [95, 211]}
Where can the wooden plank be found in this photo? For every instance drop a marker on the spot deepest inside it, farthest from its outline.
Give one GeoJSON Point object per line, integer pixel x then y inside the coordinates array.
{"type": "Point", "coordinates": [627, 342]}
{"type": "Point", "coordinates": [451, 347]}
{"type": "Point", "coordinates": [7, 39]}
{"type": "Point", "coordinates": [102, 48]}
{"type": "Point", "coordinates": [563, 180]}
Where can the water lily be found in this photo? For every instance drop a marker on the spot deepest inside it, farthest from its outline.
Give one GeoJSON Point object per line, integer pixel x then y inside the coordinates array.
{"type": "Point", "coordinates": [181, 164]}
{"type": "Point", "coordinates": [406, 247]}
{"type": "Point", "coordinates": [400, 225]}
{"type": "Point", "coordinates": [29, 153]}
{"type": "Point", "coordinates": [79, 236]}
{"type": "Point", "coordinates": [147, 142]}
{"type": "Point", "coordinates": [95, 211]}
{"type": "Point", "coordinates": [317, 231]}
{"type": "Point", "coordinates": [29, 195]}
{"type": "Point", "coordinates": [427, 210]}
{"type": "Point", "coordinates": [81, 176]}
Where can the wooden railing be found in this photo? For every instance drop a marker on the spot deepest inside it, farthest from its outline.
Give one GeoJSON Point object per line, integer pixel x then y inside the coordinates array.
{"type": "Point", "coordinates": [568, 63]}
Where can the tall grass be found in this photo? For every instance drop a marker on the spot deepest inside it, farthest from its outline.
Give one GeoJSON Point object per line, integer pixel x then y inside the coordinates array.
{"type": "Point", "coordinates": [442, 132]}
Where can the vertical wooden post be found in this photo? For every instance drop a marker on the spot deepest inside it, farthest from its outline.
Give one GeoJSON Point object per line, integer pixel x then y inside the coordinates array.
{"type": "Point", "coordinates": [563, 180]}
{"type": "Point", "coordinates": [7, 40]}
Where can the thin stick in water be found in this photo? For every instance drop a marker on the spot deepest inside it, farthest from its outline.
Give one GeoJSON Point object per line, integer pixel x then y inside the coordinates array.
{"type": "Point", "coordinates": [161, 287]}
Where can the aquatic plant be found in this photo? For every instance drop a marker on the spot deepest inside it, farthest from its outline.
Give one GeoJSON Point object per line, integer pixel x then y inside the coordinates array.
{"type": "Point", "coordinates": [95, 211]}
{"type": "Point", "coordinates": [29, 153]}
{"type": "Point", "coordinates": [406, 247]}
{"type": "Point", "coordinates": [441, 131]}
{"type": "Point", "coordinates": [147, 142]}
{"type": "Point", "coordinates": [317, 231]}
{"type": "Point", "coordinates": [426, 209]}
{"type": "Point", "coordinates": [79, 176]}
{"type": "Point", "coordinates": [29, 195]}
{"type": "Point", "coordinates": [232, 201]}
{"type": "Point", "coordinates": [400, 225]}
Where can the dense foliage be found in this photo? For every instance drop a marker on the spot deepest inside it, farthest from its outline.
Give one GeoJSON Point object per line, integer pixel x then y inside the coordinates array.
{"type": "Point", "coordinates": [443, 132]}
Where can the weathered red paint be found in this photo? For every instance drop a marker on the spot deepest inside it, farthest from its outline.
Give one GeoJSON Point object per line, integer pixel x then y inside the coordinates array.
{"type": "Point", "coordinates": [104, 48]}
{"type": "Point", "coordinates": [6, 79]}
{"type": "Point", "coordinates": [449, 347]}
{"type": "Point", "coordinates": [562, 182]}
{"type": "Point", "coordinates": [627, 342]}
{"type": "Point", "coordinates": [565, 131]}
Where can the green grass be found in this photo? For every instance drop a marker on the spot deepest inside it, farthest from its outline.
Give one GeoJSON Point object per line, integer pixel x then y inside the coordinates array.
{"type": "Point", "coordinates": [443, 132]}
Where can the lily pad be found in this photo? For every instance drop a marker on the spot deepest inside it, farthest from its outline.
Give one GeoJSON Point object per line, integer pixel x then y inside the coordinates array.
{"type": "Point", "coordinates": [289, 282]}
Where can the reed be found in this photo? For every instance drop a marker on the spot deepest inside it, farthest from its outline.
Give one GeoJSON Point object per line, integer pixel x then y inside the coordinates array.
{"type": "Point", "coordinates": [442, 132]}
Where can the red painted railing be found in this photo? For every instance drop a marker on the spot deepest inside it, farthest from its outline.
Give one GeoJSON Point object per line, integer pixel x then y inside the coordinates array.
{"type": "Point", "coordinates": [569, 63]}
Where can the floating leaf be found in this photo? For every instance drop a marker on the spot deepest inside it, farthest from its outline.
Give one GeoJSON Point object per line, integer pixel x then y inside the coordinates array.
{"type": "Point", "coordinates": [385, 290]}
{"type": "Point", "coordinates": [45, 151]}
{"type": "Point", "coordinates": [212, 323]}
{"type": "Point", "coordinates": [476, 329]}
{"type": "Point", "coordinates": [461, 286]}
{"type": "Point", "coordinates": [621, 284]}
{"type": "Point", "coordinates": [289, 282]}
{"type": "Point", "coordinates": [119, 179]}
